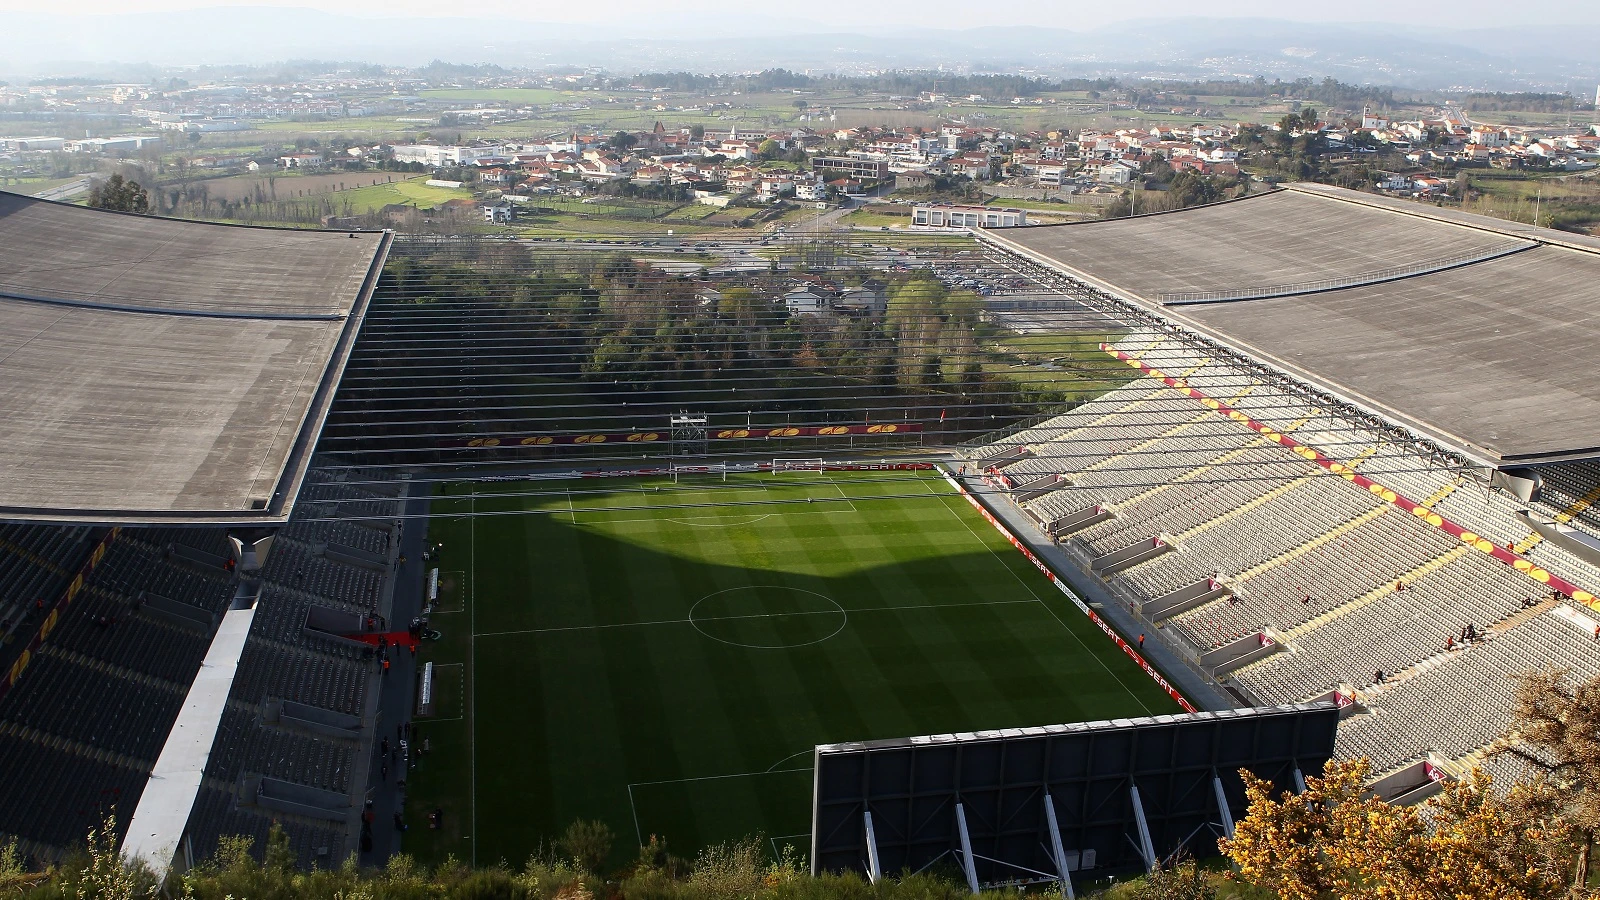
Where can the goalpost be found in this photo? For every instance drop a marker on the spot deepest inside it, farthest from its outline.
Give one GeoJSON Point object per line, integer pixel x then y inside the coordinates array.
{"type": "Point", "coordinates": [710, 471]}
{"type": "Point", "coordinates": [797, 465]}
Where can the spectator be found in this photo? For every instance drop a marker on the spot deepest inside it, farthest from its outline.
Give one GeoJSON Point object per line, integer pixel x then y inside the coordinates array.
{"type": "Point", "coordinates": [1377, 677]}
{"type": "Point", "coordinates": [1141, 641]}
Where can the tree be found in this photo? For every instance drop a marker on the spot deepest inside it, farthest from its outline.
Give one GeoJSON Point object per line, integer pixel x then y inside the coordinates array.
{"type": "Point", "coordinates": [1184, 881]}
{"type": "Point", "coordinates": [123, 196]}
{"type": "Point", "coordinates": [1559, 722]}
{"type": "Point", "coordinates": [697, 132]}
{"type": "Point", "coordinates": [622, 140]}
{"type": "Point", "coordinates": [1336, 841]}
{"type": "Point", "coordinates": [587, 844]}
{"type": "Point", "coordinates": [769, 149]}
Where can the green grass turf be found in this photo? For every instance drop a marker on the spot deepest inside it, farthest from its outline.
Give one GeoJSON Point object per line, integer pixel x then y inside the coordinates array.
{"type": "Point", "coordinates": [665, 660]}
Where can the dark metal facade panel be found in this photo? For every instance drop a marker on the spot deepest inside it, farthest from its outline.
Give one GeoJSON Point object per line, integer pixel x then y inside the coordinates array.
{"type": "Point", "coordinates": [912, 786]}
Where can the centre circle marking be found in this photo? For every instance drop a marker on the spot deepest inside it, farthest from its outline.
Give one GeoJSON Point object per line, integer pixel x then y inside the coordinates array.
{"type": "Point", "coordinates": [844, 617]}
{"type": "Point", "coordinates": [746, 520]}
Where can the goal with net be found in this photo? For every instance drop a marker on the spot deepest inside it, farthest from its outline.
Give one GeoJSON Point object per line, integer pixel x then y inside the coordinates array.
{"type": "Point", "coordinates": [797, 465]}
{"type": "Point", "coordinates": [699, 472]}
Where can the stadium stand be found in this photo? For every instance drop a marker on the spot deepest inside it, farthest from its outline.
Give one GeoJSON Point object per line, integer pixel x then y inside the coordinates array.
{"type": "Point", "coordinates": [169, 378]}
{"type": "Point", "coordinates": [93, 707]}
{"type": "Point", "coordinates": [1266, 567]}
{"type": "Point", "coordinates": [103, 689]}
{"type": "Point", "coordinates": [1379, 319]}
{"type": "Point", "coordinates": [1336, 582]}
{"type": "Point", "coordinates": [1360, 328]}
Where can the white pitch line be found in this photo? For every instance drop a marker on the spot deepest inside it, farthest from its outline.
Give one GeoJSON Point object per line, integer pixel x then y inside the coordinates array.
{"type": "Point", "coordinates": [944, 500]}
{"type": "Point", "coordinates": [846, 497]}
{"type": "Point", "coordinates": [638, 834]}
{"type": "Point", "coordinates": [823, 612]}
{"type": "Point", "coordinates": [472, 659]}
{"type": "Point", "coordinates": [716, 524]}
{"type": "Point", "coordinates": [716, 777]}
{"type": "Point", "coordinates": [656, 519]}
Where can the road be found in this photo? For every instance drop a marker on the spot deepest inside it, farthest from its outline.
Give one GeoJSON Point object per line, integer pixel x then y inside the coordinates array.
{"type": "Point", "coordinates": [66, 191]}
{"type": "Point", "coordinates": [824, 222]}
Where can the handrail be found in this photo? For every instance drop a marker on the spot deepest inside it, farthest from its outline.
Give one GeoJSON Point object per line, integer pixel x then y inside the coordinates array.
{"type": "Point", "coordinates": [1261, 292]}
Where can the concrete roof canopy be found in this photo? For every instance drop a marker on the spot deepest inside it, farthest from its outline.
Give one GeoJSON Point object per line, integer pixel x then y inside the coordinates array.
{"type": "Point", "coordinates": [165, 371]}
{"type": "Point", "coordinates": [1484, 354]}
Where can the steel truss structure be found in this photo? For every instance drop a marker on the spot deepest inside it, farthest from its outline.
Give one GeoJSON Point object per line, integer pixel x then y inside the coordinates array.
{"type": "Point", "coordinates": [1377, 427]}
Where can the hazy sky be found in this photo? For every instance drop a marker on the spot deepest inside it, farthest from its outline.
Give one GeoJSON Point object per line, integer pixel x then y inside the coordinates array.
{"type": "Point", "coordinates": [921, 13]}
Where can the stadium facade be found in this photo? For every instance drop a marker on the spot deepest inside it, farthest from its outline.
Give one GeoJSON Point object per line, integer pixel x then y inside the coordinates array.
{"type": "Point", "coordinates": [1351, 460]}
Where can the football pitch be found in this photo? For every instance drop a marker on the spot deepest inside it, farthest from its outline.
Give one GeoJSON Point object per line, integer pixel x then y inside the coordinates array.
{"type": "Point", "coordinates": [662, 657]}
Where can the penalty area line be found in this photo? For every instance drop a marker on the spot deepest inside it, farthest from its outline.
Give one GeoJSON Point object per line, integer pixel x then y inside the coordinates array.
{"type": "Point", "coordinates": [944, 501]}
{"type": "Point", "coordinates": [634, 784]}
{"type": "Point", "coordinates": [825, 612]}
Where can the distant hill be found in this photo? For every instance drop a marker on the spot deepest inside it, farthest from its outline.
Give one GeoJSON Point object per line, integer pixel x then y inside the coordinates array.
{"type": "Point", "coordinates": [1513, 57]}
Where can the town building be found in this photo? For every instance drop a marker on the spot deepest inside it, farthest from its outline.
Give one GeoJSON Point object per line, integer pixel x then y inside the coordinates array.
{"type": "Point", "coordinates": [859, 169]}
{"type": "Point", "coordinates": [944, 215]}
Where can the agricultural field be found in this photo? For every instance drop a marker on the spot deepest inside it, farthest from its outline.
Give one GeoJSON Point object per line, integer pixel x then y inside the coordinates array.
{"type": "Point", "coordinates": [878, 216]}
{"type": "Point", "coordinates": [661, 656]}
{"type": "Point", "coordinates": [566, 225]}
{"type": "Point", "coordinates": [1048, 210]}
{"type": "Point", "coordinates": [1060, 366]}
{"type": "Point", "coordinates": [512, 96]}
{"type": "Point", "coordinates": [354, 126]}
{"type": "Point", "coordinates": [290, 187]}
{"type": "Point", "coordinates": [33, 185]}
{"type": "Point", "coordinates": [1569, 201]}
{"type": "Point", "coordinates": [413, 191]}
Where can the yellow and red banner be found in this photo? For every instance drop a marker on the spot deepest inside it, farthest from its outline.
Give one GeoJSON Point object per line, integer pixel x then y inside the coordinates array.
{"type": "Point", "coordinates": [53, 617]}
{"type": "Point", "coordinates": [1077, 601]}
{"type": "Point", "coordinates": [716, 434]}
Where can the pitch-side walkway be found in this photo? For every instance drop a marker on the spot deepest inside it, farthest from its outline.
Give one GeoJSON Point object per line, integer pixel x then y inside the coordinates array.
{"type": "Point", "coordinates": [1200, 690]}
{"type": "Point", "coordinates": [397, 694]}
